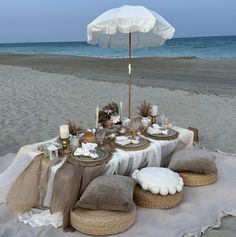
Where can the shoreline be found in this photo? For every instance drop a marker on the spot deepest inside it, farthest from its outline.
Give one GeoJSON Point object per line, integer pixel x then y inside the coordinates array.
{"type": "Point", "coordinates": [197, 76]}
{"type": "Point", "coordinates": [116, 57]}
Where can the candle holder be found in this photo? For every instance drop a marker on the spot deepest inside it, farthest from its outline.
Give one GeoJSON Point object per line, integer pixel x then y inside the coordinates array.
{"type": "Point", "coordinates": [154, 119]}
{"type": "Point", "coordinates": [65, 144]}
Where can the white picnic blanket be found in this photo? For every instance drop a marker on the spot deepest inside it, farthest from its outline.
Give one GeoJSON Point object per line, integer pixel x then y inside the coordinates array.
{"type": "Point", "coordinates": [200, 208]}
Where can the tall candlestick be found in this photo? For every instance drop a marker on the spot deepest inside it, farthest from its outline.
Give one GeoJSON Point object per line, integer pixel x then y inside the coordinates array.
{"type": "Point", "coordinates": [64, 131]}
{"type": "Point", "coordinates": [154, 110]}
{"type": "Point", "coordinates": [97, 117]}
{"type": "Point", "coordinates": [121, 110]}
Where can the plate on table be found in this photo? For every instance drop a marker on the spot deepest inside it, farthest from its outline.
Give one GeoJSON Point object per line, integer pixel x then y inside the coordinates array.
{"type": "Point", "coordinates": [103, 157]}
{"type": "Point", "coordinates": [139, 143]}
{"type": "Point", "coordinates": [171, 135]}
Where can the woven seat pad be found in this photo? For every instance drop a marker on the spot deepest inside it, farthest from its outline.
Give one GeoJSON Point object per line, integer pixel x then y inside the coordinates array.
{"type": "Point", "coordinates": [147, 199]}
{"type": "Point", "coordinates": [101, 222]}
{"type": "Point", "coordinates": [193, 179]}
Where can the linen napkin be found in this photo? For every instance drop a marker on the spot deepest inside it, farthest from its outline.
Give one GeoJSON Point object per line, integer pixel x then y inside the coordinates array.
{"type": "Point", "coordinates": [87, 149]}
{"type": "Point", "coordinates": [124, 140]}
{"type": "Point", "coordinates": [156, 129]}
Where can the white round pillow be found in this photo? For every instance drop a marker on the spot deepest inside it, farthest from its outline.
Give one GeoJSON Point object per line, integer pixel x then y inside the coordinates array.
{"type": "Point", "coordinates": [159, 180]}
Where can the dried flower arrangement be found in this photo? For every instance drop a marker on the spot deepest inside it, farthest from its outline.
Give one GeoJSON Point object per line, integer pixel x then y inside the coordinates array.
{"type": "Point", "coordinates": [109, 114]}
{"type": "Point", "coordinates": [144, 109]}
{"type": "Point", "coordinates": [73, 128]}
{"type": "Point", "coordinates": [111, 108]}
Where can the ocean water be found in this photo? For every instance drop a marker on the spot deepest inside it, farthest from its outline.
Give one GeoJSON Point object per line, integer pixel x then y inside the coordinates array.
{"type": "Point", "coordinates": [216, 47]}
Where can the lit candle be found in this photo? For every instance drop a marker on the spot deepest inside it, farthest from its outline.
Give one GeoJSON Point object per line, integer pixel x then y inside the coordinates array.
{"type": "Point", "coordinates": [120, 110]}
{"type": "Point", "coordinates": [97, 117]}
{"type": "Point", "coordinates": [154, 110]}
{"type": "Point", "coordinates": [64, 131]}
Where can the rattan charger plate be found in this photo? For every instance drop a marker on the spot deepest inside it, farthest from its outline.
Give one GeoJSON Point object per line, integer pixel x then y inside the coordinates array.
{"type": "Point", "coordinates": [104, 157]}
{"type": "Point", "coordinates": [193, 179]}
{"type": "Point", "coordinates": [172, 135]}
{"type": "Point", "coordinates": [101, 222]}
{"type": "Point", "coordinates": [147, 199]}
{"type": "Point", "coordinates": [144, 144]}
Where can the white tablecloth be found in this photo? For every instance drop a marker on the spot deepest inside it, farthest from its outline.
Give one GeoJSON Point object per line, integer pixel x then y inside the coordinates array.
{"type": "Point", "coordinates": [157, 154]}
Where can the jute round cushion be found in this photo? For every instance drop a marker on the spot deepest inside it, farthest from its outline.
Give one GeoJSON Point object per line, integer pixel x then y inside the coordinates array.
{"type": "Point", "coordinates": [193, 179]}
{"type": "Point", "coordinates": [101, 222]}
{"type": "Point", "coordinates": [147, 199]}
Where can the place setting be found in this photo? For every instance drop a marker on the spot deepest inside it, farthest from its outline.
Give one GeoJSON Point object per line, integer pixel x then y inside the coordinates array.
{"type": "Point", "coordinates": [157, 130]}
{"type": "Point", "coordinates": [82, 147]}
{"type": "Point", "coordinates": [130, 143]}
{"type": "Point", "coordinates": [89, 154]}
{"type": "Point", "coordinates": [161, 133]}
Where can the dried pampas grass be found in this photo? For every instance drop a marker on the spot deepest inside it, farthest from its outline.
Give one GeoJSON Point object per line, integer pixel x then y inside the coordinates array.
{"type": "Point", "coordinates": [144, 109]}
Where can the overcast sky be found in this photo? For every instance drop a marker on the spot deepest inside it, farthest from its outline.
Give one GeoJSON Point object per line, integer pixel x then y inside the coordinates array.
{"type": "Point", "coordinates": [66, 20]}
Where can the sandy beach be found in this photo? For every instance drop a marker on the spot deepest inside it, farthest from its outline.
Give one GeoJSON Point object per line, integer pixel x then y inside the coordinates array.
{"type": "Point", "coordinates": [190, 74]}
{"type": "Point", "coordinates": [62, 66]}
{"type": "Point", "coordinates": [40, 92]}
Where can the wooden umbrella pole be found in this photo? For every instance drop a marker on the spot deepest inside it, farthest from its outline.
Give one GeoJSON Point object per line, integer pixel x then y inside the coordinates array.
{"type": "Point", "coordinates": [129, 81]}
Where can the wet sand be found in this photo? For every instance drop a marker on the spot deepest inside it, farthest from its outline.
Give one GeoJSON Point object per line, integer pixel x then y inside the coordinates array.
{"type": "Point", "coordinates": [194, 75]}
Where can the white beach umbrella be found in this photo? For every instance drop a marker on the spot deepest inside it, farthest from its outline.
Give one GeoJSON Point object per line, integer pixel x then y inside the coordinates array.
{"type": "Point", "coordinates": [147, 28]}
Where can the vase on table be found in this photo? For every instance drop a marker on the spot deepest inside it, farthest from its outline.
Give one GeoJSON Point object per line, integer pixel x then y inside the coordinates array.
{"type": "Point", "coordinates": [74, 142]}
{"type": "Point", "coordinates": [145, 122]}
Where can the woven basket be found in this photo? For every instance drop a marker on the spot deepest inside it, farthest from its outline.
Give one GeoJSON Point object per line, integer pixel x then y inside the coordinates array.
{"type": "Point", "coordinates": [101, 222]}
{"type": "Point", "coordinates": [88, 137]}
{"type": "Point", "coordinates": [149, 200]}
{"type": "Point", "coordinates": [193, 179]}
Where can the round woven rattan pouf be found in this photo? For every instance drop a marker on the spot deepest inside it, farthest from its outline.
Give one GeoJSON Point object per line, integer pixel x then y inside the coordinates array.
{"type": "Point", "coordinates": [101, 222]}
{"type": "Point", "coordinates": [147, 199]}
{"type": "Point", "coordinates": [193, 179]}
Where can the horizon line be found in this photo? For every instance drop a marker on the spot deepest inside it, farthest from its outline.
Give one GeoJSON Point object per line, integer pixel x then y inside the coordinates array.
{"type": "Point", "coordinates": [75, 41]}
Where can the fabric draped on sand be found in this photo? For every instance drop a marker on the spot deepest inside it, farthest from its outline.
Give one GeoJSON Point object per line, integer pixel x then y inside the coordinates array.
{"type": "Point", "coordinates": [39, 182]}
{"type": "Point", "coordinates": [202, 208]}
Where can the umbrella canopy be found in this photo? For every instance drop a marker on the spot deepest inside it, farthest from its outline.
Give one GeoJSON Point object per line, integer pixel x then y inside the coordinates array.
{"type": "Point", "coordinates": [148, 29]}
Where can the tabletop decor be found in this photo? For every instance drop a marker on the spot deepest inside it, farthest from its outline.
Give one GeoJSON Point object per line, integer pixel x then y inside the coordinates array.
{"type": "Point", "coordinates": [136, 126]}
{"type": "Point", "coordinates": [88, 150]}
{"type": "Point", "coordinates": [154, 114]}
{"type": "Point", "coordinates": [130, 143]}
{"type": "Point", "coordinates": [64, 136]}
{"type": "Point", "coordinates": [103, 156]}
{"type": "Point", "coordinates": [74, 131]}
{"type": "Point", "coordinates": [50, 150]}
{"type": "Point", "coordinates": [109, 115]}
{"type": "Point", "coordinates": [144, 110]}
{"type": "Point", "coordinates": [88, 137]}
{"type": "Point", "coordinates": [160, 133]}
